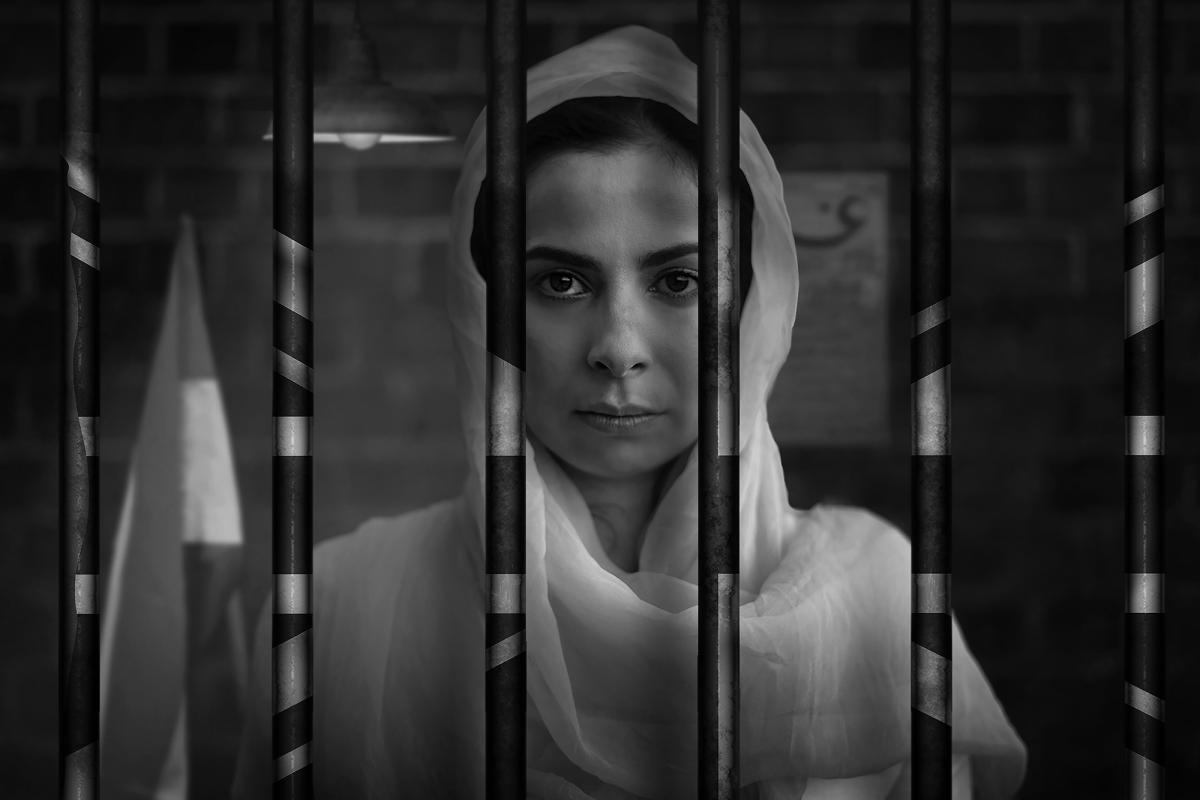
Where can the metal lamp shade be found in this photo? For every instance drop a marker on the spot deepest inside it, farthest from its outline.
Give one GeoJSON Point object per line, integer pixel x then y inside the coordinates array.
{"type": "Point", "coordinates": [359, 109]}
{"type": "Point", "coordinates": [361, 115]}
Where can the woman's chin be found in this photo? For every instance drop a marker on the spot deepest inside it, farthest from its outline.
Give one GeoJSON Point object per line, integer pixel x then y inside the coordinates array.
{"type": "Point", "coordinates": [613, 460]}
{"type": "Point", "coordinates": [583, 449]}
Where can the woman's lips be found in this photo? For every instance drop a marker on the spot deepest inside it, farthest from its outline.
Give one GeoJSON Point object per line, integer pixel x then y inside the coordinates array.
{"type": "Point", "coordinates": [614, 423]}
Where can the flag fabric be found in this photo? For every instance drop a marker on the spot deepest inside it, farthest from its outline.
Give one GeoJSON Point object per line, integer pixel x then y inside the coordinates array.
{"type": "Point", "coordinates": [173, 648]}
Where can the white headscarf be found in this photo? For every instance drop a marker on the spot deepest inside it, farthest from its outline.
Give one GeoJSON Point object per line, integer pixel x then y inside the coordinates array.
{"type": "Point", "coordinates": [825, 594]}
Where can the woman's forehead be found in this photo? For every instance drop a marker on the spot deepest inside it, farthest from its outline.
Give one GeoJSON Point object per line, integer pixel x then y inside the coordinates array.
{"type": "Point", "coordinates": [635, 194]}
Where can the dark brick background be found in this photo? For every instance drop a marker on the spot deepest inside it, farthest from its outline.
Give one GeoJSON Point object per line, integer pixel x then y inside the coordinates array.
{"type": "Point", "coordinates": [1038, 306]}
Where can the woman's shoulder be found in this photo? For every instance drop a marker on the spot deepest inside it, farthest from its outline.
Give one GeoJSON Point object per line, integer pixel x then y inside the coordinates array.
{"type": "Point", "coordinates": [419, 528]}
{"type": "Point", "coordinates": [849, 533]}
{"type": "Point", "coordinates": [838, 557]}
{"type": "Point", "coordinates": [387, 551]}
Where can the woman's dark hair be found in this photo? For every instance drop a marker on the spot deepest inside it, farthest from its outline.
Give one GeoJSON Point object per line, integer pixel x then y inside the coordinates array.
{"type": "Point", "coordinates": [605, 125]}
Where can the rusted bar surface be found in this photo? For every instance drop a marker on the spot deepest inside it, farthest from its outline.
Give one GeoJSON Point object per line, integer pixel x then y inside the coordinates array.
{"type": "Point", "coordinates": [930, 375]}
{"type": "Point", "coordinates": [1145, 412]}
{"type": "Point", "coordinates": [505, 466]}
{"type": "Point", "coordinates": [292, 404]}
{"type": "Point", "coordinates": [717, 669]}
{"type": "Point", "coordinates": [79, 478]}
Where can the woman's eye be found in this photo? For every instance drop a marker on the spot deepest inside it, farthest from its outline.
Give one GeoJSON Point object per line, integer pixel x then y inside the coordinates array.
{"type": "Point", "coordinates": [561, 284]}
{"type": "Point", "coordinates": [678, 284]}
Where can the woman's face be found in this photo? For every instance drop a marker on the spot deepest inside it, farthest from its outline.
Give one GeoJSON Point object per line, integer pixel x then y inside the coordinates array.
{"type": "Point", "coordinates": [611, 309]}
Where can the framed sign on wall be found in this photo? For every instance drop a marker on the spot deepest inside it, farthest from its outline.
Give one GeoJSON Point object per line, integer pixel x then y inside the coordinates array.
{"type": "Point", "coordinates": [833, 389]}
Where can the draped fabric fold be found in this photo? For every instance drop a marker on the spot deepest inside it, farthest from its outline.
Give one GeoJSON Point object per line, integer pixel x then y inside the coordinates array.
{"type": "Point", "coordinates": [824, 627]}
{"type": "Point", "coordinates": [824, 663]}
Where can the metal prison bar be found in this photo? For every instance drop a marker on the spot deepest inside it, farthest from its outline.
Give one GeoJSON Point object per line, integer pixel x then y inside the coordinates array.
{"type": "Point", "coordinates": [718, 108]}
{"type": "Point", "coordinates": [718, 688]}
{"type": "Point", "coordinates": [79, 476]}
{"type": "Point", "coordinates": [1145, 690]}
{"type": "Point", "coordinates": [930, 374]}
{"type": "Point", "coordinates": [504, 634]}
{"type": "Point", "coordinates": [292, 403]}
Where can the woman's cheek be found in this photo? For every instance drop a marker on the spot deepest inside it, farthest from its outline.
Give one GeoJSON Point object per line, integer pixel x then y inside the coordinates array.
{"type": "Point", "coordinates": [548, 352]}
{"type": "Point", "coordinates": [681, 340]}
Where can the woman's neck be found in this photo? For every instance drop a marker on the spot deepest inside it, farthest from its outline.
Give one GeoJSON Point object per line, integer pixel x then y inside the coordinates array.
{"type": "Point", "coordinates": [621, 508]}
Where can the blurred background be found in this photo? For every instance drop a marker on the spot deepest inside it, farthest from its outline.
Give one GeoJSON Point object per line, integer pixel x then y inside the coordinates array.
{"type": "Point", "coordinates": [1037, 303]}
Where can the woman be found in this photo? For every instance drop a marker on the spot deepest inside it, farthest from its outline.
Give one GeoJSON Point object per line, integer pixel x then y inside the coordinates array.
{"type": "Point", "coordinates": [611, 522]}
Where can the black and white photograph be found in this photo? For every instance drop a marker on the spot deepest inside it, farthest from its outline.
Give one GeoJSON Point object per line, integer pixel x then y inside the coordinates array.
{"type": "Point", "coordinates": [630, 400]}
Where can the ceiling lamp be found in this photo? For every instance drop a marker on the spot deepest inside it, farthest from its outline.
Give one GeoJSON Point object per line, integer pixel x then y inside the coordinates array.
{"type": "Point", "coordinates": [359, 109]}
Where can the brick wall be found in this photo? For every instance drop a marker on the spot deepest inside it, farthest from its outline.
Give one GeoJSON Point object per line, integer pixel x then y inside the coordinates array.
{"type": "Point", "coordinates": [1037, 301]}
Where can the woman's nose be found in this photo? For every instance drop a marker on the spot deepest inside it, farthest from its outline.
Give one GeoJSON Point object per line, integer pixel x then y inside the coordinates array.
{"type": "Point", "coordinates": [619, 345]}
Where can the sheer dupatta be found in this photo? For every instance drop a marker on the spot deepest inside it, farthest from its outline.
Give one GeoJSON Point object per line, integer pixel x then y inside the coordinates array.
{"type": "Point", "coordinates": [825, 593]}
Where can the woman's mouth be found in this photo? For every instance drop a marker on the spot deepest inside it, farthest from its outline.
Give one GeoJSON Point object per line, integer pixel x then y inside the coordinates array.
{"type": "Point", "coordinates": [616, 423]}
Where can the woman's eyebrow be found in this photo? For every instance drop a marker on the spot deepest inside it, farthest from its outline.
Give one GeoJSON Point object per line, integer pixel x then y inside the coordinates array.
{"type": "Point", "coordinates": [669, 254]}
{"type": "Point", "coordinates": [556, 254]}
{"type": "Point", "coordinates": [655, 258]}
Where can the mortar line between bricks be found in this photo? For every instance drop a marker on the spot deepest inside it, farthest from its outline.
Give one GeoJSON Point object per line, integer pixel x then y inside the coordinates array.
{"type": "Point", "coordinates": [466, 83]}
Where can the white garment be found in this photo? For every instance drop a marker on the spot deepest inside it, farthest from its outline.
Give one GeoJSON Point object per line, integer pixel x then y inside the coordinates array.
{"type": "Point", "coordinates": [824, 629]}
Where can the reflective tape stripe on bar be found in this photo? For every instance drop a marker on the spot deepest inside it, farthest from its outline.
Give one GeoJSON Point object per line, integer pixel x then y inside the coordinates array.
{"type": "Point", "coordinates": [1144, 205]}
{"type": "Point", "coordinates": [293, 594]}
{"type": "Point", "coordinates": [293, 436]}
{"type": "Point", "coordinates": [931, 593]}
{"type": "Point", "coordinates": [294, 370]}
{"type": "Point", "coordinates": [293, 295]}
{"type": "Point", "coordinates": [1143, 295]}
{"type": "Point", "coordinates": [87, 429]}
{"type": "Point", "coordinates": [506, 435]}
{"type": "Point", "coordinates": [506, 649]}
{"type": "Point", "coordinates": [931, 414]}
{"type": "Point", "coordinates": [1145, 702]}
{"type": "Point", "coordinates": [930, 317]}
{"type": "Point", "coordinates": [932, 684]}
{"type": "Point", "coordinates": [1144, 593]}
{"type": "Point", "coordinates": [288, 763]}
{"type": "Point", "coordinates": [506, 593]}
{"type": "Point", "coordinates": [295, 684]}
{"type": "Point", "coordinates": [85, 594]}
{"type": "Point", "coordinates": [1144, 435]}
{"type": "Point", "coordinates": [80, 158]}
{"type": "Point", "coordinates": [1145, 777]}
{"type": "Point", "coordinates": [79, 773]}
{"type": "Point", "coordinates": [85, 251]}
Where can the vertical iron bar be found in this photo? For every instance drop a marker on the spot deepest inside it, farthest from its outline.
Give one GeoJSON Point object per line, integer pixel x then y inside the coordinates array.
{"type": "Point", "coordinates": [1145, 412]}
{"type": "Point", "coordinates": [717, 667]}
{"type": "Point", "coordinates": [505, 467]}
{"type": "Point", "coordinates": [79, 549]}
{"type": "Point", "coordinates": [930, 376]}
{"type": "Point", "coordinates": [292, 403]}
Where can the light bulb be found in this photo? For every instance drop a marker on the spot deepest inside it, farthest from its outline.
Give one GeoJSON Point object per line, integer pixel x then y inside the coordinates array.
{"type": "Point", "coordinates": [359, 141]}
